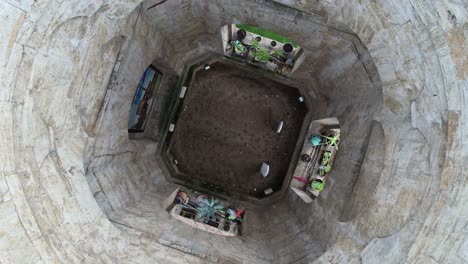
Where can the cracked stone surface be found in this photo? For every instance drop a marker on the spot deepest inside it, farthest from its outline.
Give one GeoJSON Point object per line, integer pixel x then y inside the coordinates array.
{"type": "Point", "coordinates": [75, 189]}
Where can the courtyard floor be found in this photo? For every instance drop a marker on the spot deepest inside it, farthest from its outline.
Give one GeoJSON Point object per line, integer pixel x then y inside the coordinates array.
{"type": "Point", "coordinates": [227, 128]}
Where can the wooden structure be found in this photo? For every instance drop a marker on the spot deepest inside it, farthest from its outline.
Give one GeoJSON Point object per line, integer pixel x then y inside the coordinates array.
{"type": "Point", "coordinates": [316, 162]}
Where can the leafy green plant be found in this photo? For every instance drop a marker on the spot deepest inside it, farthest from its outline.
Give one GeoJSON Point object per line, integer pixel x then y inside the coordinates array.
{"type": "Point", "coordinates": [318, 185]}
{"type": "Point", "coordinates": [325, 168]}
{"type": "Point", "coordinates": [254, 44]}
{"type": "Point", "coordinates": [333, 141]}
{"type": "Point", "coordinates": [260, 54]}
{"type": "Point", "coordinates": [263, 55]}
{"type": "Point", "coordinates": [207, 209]}
{"type": "Point", "coordinates": [321, 172]}
{"type": "Point", "coordinates": [277, 53]}
{"type": "Point", "coordinates": [326, 158]}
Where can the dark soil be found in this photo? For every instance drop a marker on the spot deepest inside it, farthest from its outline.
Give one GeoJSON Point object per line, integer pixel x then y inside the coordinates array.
{"type": "Point", "coordinates": [227, 128]}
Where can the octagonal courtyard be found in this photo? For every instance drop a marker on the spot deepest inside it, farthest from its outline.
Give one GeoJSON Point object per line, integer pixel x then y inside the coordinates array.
{"type": "Point", "coordinates": [228, 126]}
{"type": "Point", "coordinates": [89, 170]}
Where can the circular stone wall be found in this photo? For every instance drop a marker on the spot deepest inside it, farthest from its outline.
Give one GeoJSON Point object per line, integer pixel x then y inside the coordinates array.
{"type": "Point", "coordinates": [74, 188]}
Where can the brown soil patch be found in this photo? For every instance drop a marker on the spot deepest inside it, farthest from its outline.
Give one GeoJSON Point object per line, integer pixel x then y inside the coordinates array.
{"type": "Point", "coordinates": [227, 129]}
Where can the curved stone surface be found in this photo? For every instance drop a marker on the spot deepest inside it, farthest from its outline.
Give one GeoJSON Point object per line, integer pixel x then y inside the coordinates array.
{"type": "Point", "coordinates": [75, 189]}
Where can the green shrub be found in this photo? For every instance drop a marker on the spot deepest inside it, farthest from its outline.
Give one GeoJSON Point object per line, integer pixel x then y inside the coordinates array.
{"type": "Point", "coordinates": [263, 55]}
{"type": "Point", "coordinates": [277, 53]}
{"type": "Point", "coordinates": [255, 44]}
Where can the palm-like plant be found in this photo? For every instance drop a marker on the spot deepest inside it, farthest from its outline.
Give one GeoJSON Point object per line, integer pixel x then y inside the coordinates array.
{"type": "Point", "coordinates": [207, 209]}
{"type": "Point", "coordinates": [333, 141]}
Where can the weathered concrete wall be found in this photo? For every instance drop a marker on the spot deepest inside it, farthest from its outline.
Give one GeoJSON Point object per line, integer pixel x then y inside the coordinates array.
{"type": "Point", "coordinates": [415, 213]}
{"type": "Point", "coordinates": [68, 72]}
{"type": "Point", "coordinates": [56, 63]}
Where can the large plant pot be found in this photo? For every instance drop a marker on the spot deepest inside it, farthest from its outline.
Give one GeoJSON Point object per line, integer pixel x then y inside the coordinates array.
{"type": "Point", "coordinates": [288, 48]}
{"type": "Point", "coordinates": [241, 34]}
{"type": "Point", "coordinates": [317, 184]}
{"type": "Point", "coordinates": [306, 158]}
{"type": "Point", "coordinates": [181, 197]}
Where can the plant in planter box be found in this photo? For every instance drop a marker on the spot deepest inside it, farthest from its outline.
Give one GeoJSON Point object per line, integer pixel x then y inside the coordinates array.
{"type": "Point", "coordinates": [277, 53]}
{"type": "Point", "coordinates": [207, 209]}
{"type": "Point", "coordinates": [324, 169]}
{"type": "Point", "coordinates": [332, 140]}
{"type": "Point", "coordinates": [262, 55]}
{"type": "Point", "coordinates": [325, 166]}
{"type": "Point", "coordinates": [317, 184]}
{"type": "Point", "coordinates": [326, 158]}
{"type": "Point", "coordinates": [254, 44]}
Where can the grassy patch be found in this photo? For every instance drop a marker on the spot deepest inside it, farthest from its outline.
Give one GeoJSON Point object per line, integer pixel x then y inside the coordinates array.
{"type": "Point", "coordinates": [266, 33]}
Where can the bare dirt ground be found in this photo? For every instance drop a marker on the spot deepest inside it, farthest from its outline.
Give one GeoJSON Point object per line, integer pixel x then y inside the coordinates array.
{"type": "Point", "coordinates": [227, 129]}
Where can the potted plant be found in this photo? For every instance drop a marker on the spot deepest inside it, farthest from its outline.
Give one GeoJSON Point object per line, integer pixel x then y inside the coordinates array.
{"type": "Point", "coordinates": [207, 209]}
{"type": "Point", "coordinates": [324, 169]}
{"type": "Point", "coordinates": [262, 55]}
{"type": "Point", "coordinates": [254, 44]}
{"type": "Point", "coordinates": [317, 184]}
{"type": "Point", "coordinates": [288, 48]}
{"type": "Point", "coordinates": [325, 165]}
{"type": "Point", "coordinates": [277, 53]}
{"type": "Point", "coordinates": [326, 158]}
{"type": "Point", "coordinates": [181, 197]}
{"type": "Point", "coordinates": [332, 140]}
{"type": "Point", "coordinates": [306, 157]}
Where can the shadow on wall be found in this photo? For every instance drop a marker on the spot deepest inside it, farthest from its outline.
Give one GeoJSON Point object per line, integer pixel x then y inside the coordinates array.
{"type": "Point", "coordinates": [369, 176]}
